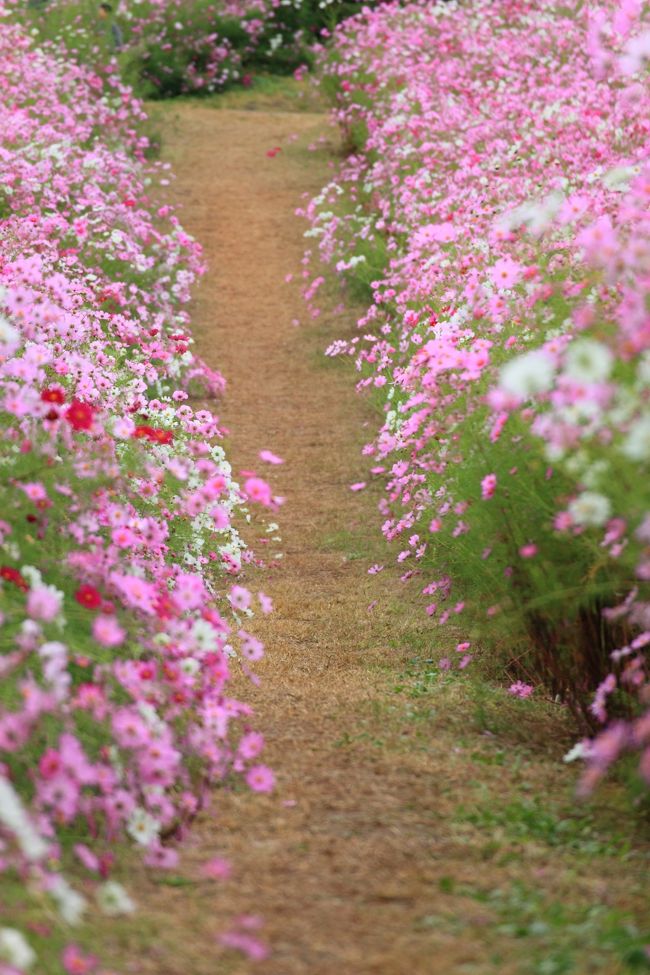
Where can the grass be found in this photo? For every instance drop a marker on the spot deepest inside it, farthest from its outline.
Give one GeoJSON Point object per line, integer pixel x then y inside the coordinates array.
{"type": "Point", "coordinates": [265, 93]}
{"type": "Point", "coordinates": [507, 819]}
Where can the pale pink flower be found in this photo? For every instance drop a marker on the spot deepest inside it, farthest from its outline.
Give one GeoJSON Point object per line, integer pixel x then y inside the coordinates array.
{"type": "Point", "coordinates": [217, 869]}
{"type": "Point", "coordinates": [240, 598]}
{"type": "Point", "coordinates": [108, 631]}
{"type": "Point", "coordinates": [506, 273]}
{"type": "Point", "coordinates": [44, 603]}
{"type": "Point", "coordinates": [270, 458]}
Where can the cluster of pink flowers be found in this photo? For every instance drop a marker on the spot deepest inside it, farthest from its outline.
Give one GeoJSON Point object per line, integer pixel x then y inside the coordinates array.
{"type": "Point", "coordinates": [119, 549]}
{"type": "Point", "coordinates": [495, 207]}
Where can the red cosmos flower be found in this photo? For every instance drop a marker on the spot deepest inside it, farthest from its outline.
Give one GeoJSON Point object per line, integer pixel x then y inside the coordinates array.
{"type": "Point", "coordinates": [80, 415]}
{"type": "Point", "coordinates": [88, 596]}
{"type": "Point", "coordinates": [13, 575]}
{"type": "Point", "coordinates": [161, 436]}
{"type": "Point", "coordinates": [106, 861]}
{"type": "Point", "coordinates": [153, 434]}
{"type": "Point", "coordinates": [53, 395]}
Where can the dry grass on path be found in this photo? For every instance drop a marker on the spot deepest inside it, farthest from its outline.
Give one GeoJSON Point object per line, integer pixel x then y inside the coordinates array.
{"type": "Point", "coordinates": [380, 851]}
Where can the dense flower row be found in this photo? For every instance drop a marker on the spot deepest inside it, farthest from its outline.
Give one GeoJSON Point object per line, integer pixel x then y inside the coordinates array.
{"type": "Point", "coordinates": [120, 612]}
{"type": "Point", "coordinates": [494, 208]}
{"type": "Point", "coordinates": [172, 47]}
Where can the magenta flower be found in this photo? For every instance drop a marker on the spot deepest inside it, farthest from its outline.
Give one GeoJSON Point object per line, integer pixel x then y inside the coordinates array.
{"type": "Point", "coordinates": [260, 778]}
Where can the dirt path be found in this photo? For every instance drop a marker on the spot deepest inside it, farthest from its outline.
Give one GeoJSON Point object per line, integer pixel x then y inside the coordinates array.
{"type": "Point", "coordinates": [359, 864]}
{"type": "Point", "coordinates": [337, 876]}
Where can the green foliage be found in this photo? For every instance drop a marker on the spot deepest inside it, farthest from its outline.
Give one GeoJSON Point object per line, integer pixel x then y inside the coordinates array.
{"type": "Point", "coordinates": [562, 938]}
{"type": "Point", "coordinates": [186, 46]}
{"type": "Point", "coordinates": [531, 820]}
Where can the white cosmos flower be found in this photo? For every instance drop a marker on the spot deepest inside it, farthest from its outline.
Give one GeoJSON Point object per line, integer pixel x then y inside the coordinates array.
{"type": "Point", "coordinates": [9, 335]}
{"type": "Point", "coordinates": [113, 899]}
{"type": "Point", "coordinates": [643, 369]}
{"type": "Point", "coordinates": [528, 375]}
{"type": "Point", "coordinates": [190, 666]}
{"type": "Point", "coordinates": [15, 818]}
{"type": "Point", "coordinates": [15, 950]}
{"type": "Point", "coordinates": [151, 716]}
{"type": "Point", "coordinates": [590, 508]}
{"type": "Point", "coordinates": [595, 473]}
{"type": "Point", "coordinates": [578, 751]}
{"type": "Point", "coordinates": [70, 902]}
{"type": "Point", "coordinates": [204, 636]}
{"type": "Point", "coordinates": [32, 574]}
{"type": "Point", "coordinates": [619, 178]}
{"type": "Point", "coordinates": [636, 445]}
{"type": "Point", "coordinates": [142, 826]}
{"type": "Point", "coordinates": [588, 361]}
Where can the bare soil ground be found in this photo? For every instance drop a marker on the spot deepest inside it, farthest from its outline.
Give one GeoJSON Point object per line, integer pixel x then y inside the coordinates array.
{"type": "Point", "coordinates": [366, 859]}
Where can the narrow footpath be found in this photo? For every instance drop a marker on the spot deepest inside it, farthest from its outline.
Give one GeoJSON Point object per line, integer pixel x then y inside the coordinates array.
{"type": "Point", "coordinates": [358, 864]}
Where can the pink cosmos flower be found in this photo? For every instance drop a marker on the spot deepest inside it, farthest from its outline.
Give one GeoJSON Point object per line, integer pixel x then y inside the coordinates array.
{"type": "Point", "coordinates": [259, 491]}
{"type": "Point", "coordinates": [240, 598]}
{"type": "Point", "coordinates": [34, 491]}
{"type": "Point", "coordinates": [506, 273]}
{"type": "Point", "coordinates": [137, 592]}
{"type": "Point", "coordinates": [528, 551]}
{"type": "Point", "coordinates": [161, 857]}
{"type": "Point", "coordinates": [488, 486]}
{"type": "Point", "coordinates": [251, 745]}
{"type": "Point", "coordinates": [270, 458]}
{"type": "Point", "coordinates": [129, 728]}
{"type": "Point", "coordinates": [44, 603]}
{"type": "Point", "coordinates": [521, 690]}
{"type": "Point", "coordinates": [107, 631]}
{"type": "Point", "coordinates": [87, 857]}
{"type": "Point", "coordinates": [189, 590]}
{"type": "Point", "coordinates": [251, 648]}
{"type": "Point", "coordinates": [77, 962]}
{"type": "Point", "coordinates": [221, 518]}
{"type": "Point", "coordinates": [253, 948]}
{"type": "Point", "coordinates": [123, 537]}
{"type": "Point", "coordinates": [217, 869]}
{"type": "Point", "coordinates": [260, 778]}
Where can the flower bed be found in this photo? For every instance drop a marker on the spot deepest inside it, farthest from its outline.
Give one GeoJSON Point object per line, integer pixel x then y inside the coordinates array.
{"type": "Point", "coordinates": [179, 47]}
{"type": "Point", "coordinates": [493, 211]}
{"type": "Point", "coordinates": [121, 614]}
